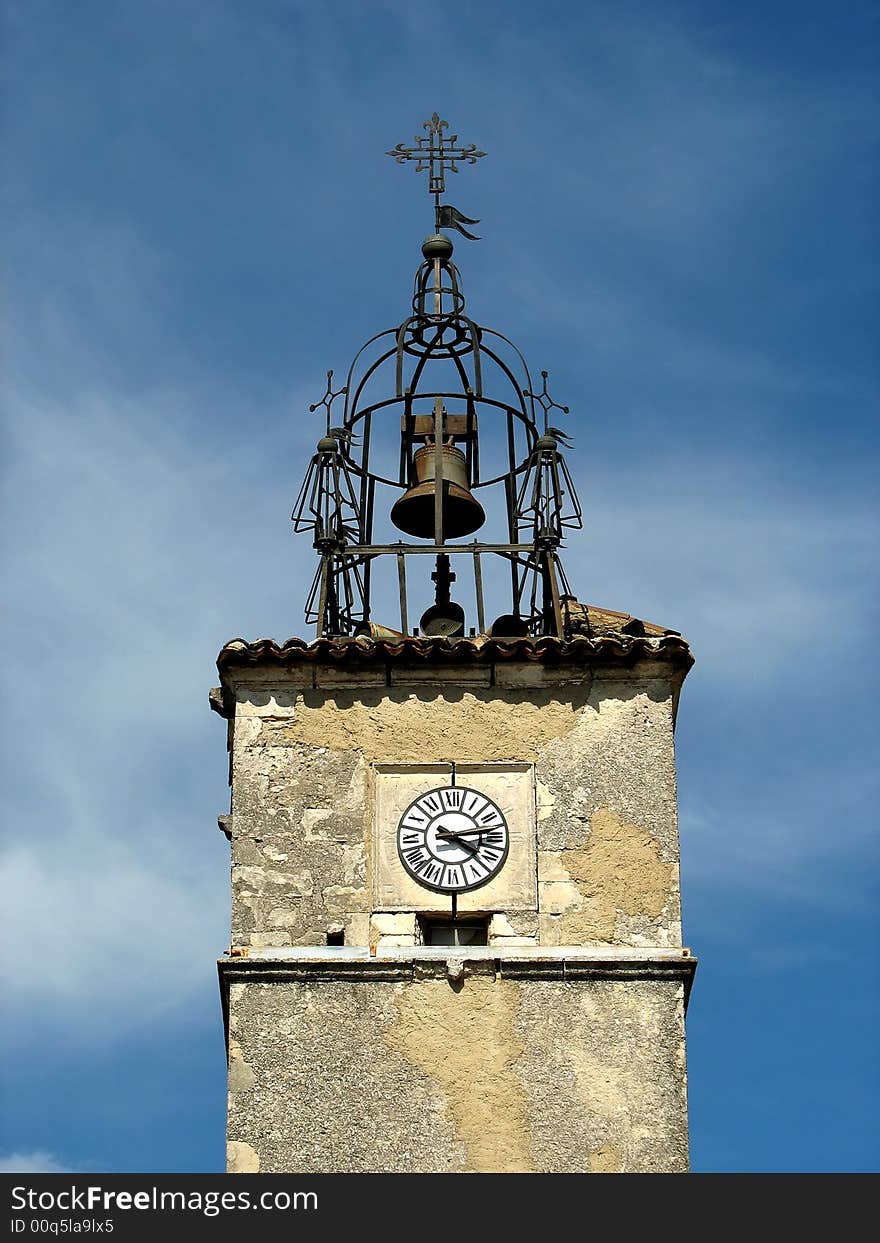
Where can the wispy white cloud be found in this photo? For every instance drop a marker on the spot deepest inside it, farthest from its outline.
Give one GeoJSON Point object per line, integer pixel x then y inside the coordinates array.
{"type": "Point", "coordinates": [145, 554]}
{"type": "Point", "coordinates": [785, 836]}
{"type": "Point", "coordinates": [36, 1162]}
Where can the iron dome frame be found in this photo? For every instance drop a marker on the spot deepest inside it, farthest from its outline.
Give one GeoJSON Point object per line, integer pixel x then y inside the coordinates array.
{"type": "Point", "coordinates": [337, 501]}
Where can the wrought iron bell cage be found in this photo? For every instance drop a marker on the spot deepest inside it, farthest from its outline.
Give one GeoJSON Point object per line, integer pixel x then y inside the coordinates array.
{"type": "Point", "coordinates": [458, 401]}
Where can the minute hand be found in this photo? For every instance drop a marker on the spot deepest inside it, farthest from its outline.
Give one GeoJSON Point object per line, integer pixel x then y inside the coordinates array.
{"type": "Point", "coordinates": [460, 832]}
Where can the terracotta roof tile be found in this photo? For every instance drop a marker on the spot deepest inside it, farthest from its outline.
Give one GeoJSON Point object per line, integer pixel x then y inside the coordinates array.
{"type": "Point", "coordinates": [617, 647]}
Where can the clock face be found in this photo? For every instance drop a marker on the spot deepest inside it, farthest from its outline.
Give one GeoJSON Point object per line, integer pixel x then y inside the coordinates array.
{"type": "Point", "coordinates": [452, 839]}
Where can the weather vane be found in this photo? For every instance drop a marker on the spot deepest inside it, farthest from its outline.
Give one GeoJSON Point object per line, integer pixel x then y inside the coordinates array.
{"type": "Point", "coordinates": [438, 151]}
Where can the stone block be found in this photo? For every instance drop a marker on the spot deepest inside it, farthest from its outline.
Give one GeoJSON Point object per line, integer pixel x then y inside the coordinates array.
{"type": "Point", "coordinates": [393, 924]}
{"type": "Point", "coordinates": [537, 675]}
{"type": "Point", "coordinates": [241, 1158]}
{"type": "Point", "coordinates": [265, 703]}
{"type": "Point", "coordinates": [549, 929]}
{"type": "Point", "coordinates": [246, 731]}
{"type": "Point", "coordinates": [331, 677]}
{"type": "Point", "coordinates": [555, 897]}
{"type": "Point", "coordinates": [551, 867]}
{"type": "Point", "coordinates": [500, 926]}
{"type": "Point", "coordinates": [269, 938]}
{"type": "Point", "coordinates": [312, 937]}
{"type": "Point", "coordinates": [345, 899]}
{"type": "Point", "coordinates": [283, 917]}
{"type": "Point", "coordinates": [545, 801]}
{"type": "Point", "coordinates": [450, 675]}
{"type": "Point", "coordinates": [357, 929]}
{"type": "Point", "coordinates": [297, 884]}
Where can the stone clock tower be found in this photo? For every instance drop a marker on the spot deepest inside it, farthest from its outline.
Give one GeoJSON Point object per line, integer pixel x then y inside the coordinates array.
{"type": "Point", "coordinates": [456, 936]}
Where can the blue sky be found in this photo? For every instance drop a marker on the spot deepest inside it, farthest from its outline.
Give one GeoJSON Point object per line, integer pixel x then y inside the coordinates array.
{"type": "Point", "coordinates": [678, 212]}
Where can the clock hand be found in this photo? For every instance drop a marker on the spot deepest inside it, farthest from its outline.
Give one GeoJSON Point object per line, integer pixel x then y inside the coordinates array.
{"type": "Point", "coordinates": [460, 833]}
{"type": "Point", "coordinates": [463, 844]}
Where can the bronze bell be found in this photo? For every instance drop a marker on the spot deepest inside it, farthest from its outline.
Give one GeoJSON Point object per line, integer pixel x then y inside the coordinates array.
{"type": "Point", "coordinates": [462, 512]}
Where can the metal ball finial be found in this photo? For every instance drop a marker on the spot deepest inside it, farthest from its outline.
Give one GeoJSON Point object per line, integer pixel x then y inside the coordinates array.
{"type": "Point", "coordinates": [437, 246]}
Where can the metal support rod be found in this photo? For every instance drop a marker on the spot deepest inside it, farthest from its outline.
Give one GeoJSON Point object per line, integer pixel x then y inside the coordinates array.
{"type": "Point", "coordinates": [438, 470]}
{"type": "Point", "coordinates": [368, 518]}
{"type": "Point", "coordinates": [510, 501]}
{"type": "Point", "coordinates": [322, 600]}
{"type": "Point", "coordinates": [406, 473]}
{"type": "Point", "coordinates": [472, 444]}
{"type": "Point", "coordinates": [401, 583]}
{"type": "Point", "coordinates": [379, 550]}
{"type": "Point", "coordinates": [478, 585]}
{"type": "Point", "coordinates": [367, 532]}
{"type": "Point", "coordinates": [550, 563]}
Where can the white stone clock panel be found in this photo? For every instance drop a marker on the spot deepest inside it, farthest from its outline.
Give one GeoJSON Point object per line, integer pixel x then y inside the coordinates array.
{"type": "Point", "coordinates": [511, 787]}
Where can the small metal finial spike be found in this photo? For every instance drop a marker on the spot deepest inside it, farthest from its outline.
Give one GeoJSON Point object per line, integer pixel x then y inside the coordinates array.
{"type": "Point", "coordinates": [328, 399]}
{"type": "Point", "coordinates": [545, 401]}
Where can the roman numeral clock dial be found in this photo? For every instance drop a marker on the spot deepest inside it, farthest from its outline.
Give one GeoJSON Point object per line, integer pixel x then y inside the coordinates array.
{"type": "Point", "coordinates": [452, 839]}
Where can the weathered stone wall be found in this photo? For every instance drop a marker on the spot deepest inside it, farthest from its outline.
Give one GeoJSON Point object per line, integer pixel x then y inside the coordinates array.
{"type": "Point", "coordinates": [601, 741]}
{"type": "Point", "coordinates": [488, 1072]}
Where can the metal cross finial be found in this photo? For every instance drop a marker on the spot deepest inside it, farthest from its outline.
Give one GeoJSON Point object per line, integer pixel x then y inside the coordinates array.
{"type": "Point", "coordinates": [328, 399]}
{"type": "Point", "coordinates": [545, 401]}
{"type": "Point", "coordinates": [436, 152]}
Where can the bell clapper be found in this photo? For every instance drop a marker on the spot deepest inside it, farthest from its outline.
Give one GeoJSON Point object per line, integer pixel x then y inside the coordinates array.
{"type": "Point", "coordinates": [444, 619]}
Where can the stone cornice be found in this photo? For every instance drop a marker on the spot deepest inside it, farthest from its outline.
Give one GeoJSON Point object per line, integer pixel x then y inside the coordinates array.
{"type": "Point", "coordinates": [357, 964]}
{"type": "Point", "coordinates": [391, 659]}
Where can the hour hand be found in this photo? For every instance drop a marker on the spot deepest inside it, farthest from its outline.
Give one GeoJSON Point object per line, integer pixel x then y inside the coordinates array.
{"type": "Point", "coordinates": [454, 837]}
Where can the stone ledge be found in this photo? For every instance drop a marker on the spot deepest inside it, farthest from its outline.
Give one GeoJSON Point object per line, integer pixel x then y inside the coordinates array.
{"type": "Point", "coordinates": [356, 965]}
{"type": "Point", "coordinates": [574, 953]}
{"type": "Point", "coordinates": [404, 963]}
